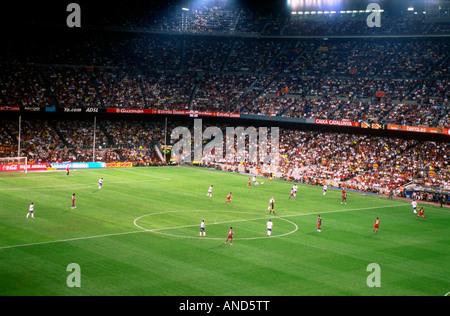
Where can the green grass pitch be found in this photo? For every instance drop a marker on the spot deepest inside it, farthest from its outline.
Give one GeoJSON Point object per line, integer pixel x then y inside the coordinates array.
{"type": "Point", "coordinates": [139, 235]}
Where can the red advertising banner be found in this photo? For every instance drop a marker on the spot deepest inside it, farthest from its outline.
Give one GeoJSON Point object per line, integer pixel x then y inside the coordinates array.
{"type": "Point", "coordinates": [334, 122]}
{"type": "Point", "coordinates": [21, 167]}
{"type": "Point", "coordinates": [9, 108]}
{"type": "Point", "coordinates": [129, 111]}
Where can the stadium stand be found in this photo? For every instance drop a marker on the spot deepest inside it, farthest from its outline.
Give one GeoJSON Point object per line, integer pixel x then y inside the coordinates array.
{"type": "Point", "coordinates": [231, 60]}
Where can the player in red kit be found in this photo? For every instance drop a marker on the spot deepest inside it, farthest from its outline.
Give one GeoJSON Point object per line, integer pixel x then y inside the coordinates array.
{"type": "Point", "coordinates": [230, 236]}
{"type": "Point", "coordinates": [73, 201]}
{"type": "Point", "coordinates": [344, 196]}
{"type": "Point", "coordinates": [421, 213]}
{"type": "Point", "coordinates": [319, 224]}
{"type": "Point", "coordinates": [376, 225]}
{"type": "Point", "coordinates": [229, 197]}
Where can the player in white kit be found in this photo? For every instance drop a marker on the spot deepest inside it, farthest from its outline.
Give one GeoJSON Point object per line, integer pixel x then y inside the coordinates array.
{"type": "Point", "coordinates": [210, 191]}
{"type": "Point", "coordinates": [203, 229]}
{"type": "Point", "coordinates": [31, 210]}
{"type": "Point", "coordinates": [269, 228]}
{"type": "Point", "coordinates": [414, 205]}
{"type": "Point", "coordinates": [100, 183]}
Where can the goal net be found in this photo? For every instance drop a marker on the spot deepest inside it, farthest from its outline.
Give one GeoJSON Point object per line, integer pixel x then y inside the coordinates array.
{"type": "Point", "coordinates": [14, 164]}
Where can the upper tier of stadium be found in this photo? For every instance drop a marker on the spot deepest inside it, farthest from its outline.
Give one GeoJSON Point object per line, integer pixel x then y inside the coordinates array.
{"type": "Point", "coordinates": [221, 56]}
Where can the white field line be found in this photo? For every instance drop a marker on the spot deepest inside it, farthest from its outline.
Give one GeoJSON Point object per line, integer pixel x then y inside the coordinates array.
{"type": "Point", "coordinates": [168, 228]}
{"type": "Point", "coordinates": [158, 230]}
{"type": "Point", "coordinates": [80, 185]}
{"type": "Point", "coordinates": [67, 240]}
{"type": "Point", "coordinates": [251, 219]}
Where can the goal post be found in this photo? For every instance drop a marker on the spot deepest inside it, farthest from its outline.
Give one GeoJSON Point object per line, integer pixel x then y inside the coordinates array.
{"type": "Point", "coordinates": [14, 164]}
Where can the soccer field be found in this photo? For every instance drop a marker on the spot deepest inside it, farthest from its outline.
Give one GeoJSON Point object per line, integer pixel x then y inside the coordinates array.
{"type": "Point", "coordinates": [139, 235]}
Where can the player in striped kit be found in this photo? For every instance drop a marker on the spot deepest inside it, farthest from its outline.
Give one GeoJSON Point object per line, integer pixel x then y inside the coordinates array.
{"type": "Point", "coordinates": [73, 201]}
{"type": "Point", "coordinates": [230, 236]}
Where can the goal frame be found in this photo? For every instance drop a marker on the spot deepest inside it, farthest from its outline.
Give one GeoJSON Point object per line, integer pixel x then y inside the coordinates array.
{"type": "Point", "coordinates": [15, 160]}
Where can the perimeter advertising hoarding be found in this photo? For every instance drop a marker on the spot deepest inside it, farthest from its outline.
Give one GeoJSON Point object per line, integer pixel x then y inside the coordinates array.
{"type": "Point", "coordinates": [171, 112]}
{"type": "Point", "coordinates": [77, 165]}
{"type": "Point", "coordinates": [63, 166]}
{"type": "Point", "coordinates": [336, 122]}
{"type": "Point", "coordinates": [9, 108]}
{"type": "Point", "coordinates": [420, 129]}
{"type": "Point", "coordinates": [21, 167]}
{"type": "Point", "coordinates": [119, 164]}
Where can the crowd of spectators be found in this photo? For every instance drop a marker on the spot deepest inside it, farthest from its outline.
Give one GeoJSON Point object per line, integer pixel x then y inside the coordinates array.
{"type": "Point", "coordinates": [120, 89]}
{"type": "Point", "coordinates": [135, 140]}
{"type": "Point", "coordinates": [72, 87]}
{"type": "Point", "coordinates": [399, 81]}
{"type": "Point", "coordinates": [366, 163]}
{"type": "Point", "coordinates": [40, 142]}
{"type": "Point", "coordinates": [362, 162]}
{"type": "Point", "coordinates": [167, 90]}
{"type": "Point", "coordinates": [218, 92]}
{"type": "Point", "coordinates": [356, 24]}
{"type": "Point", "coordinates": [23, 86]}
{"type": "Point", "coordinates": [73, 140]}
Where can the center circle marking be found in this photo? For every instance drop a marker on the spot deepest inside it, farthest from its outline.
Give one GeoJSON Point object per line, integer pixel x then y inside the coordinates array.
{"type": "Point", "coordinates": [159, 230]}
